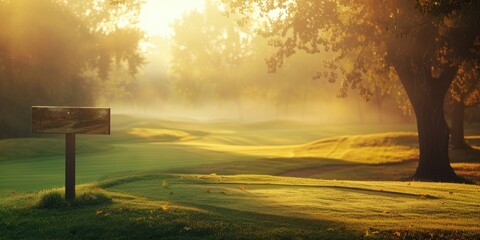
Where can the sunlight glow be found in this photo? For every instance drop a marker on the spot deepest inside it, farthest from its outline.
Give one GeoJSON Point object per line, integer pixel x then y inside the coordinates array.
{"type": "Point", "coordinates": [158, 15]}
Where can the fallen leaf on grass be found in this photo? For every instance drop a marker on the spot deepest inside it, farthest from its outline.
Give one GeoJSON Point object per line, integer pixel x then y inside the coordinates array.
{"type": "Point", "coordinates": [424, 196]}
{"type": "Point", "coordinates": [370, 232]}
{"type": "Point", "coordinates": [165, 207]}
{"type": "Point", "coordinates": [397, 234]}
{"type": "Point", "coordinates": [186, 228]}
{"type": "Point", "coordinates": [165, 184]}
{"type": "Point", "coordinates": [392, 212]}
{"type": "Point", "coordinates": [430, 235]}
{"type": "Point", "coordinates": [242, 188]}
{"type": "Point", "coordinates": [101, 212]}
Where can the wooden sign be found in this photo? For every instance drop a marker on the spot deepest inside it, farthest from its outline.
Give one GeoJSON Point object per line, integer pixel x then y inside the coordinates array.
{"type": "Point", "coordinates": [70, 121]}
{"type": "Point", "coordinates": [78, 120]}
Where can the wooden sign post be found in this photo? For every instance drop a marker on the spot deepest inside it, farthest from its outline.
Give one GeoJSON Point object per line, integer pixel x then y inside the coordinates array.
{"type": "Point", "coordinates": [70, 121]}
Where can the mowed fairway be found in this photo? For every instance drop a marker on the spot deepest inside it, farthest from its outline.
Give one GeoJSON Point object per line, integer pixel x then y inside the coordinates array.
{"type": "Point", "coordinates": [230, 180]}
{"type": "Point", "coordinates": [139, 144]}
{"type": "Point", "coordinates": [381, 205]}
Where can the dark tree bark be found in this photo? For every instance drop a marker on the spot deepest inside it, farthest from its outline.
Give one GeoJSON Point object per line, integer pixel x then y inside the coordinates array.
{"type": "Point", "coordinates": [433, 135]}
{"type": "Point", "coordinates": [427, 94]}
{"type": "Point", "coordinates": [457, 139]}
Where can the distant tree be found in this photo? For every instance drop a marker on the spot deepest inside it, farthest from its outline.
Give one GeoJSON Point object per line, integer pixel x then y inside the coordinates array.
{"type": "Point", "coordinates": [207, 56]}
{"type": "Point", "coordinates": [214, 59]}
{"type": "Point", "coordinates": [60, 53]}
{"type": "Point", "coordinates": [464, 93]}
{"type": "Point", "coordinates": [423, 41]}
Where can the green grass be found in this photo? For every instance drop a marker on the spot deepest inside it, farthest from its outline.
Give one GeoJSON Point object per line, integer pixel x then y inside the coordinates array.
{"type": "Point", "coordinates": [273, 147]}
{"type": "Point", "coordinates": [248, 207]}
{"type": "Point", "coordinates": [55, 199]}
{"type": "Point", "coordinates": [140, 144]}
{"type": "Point", "coordinates": [135, 217]}
{"type": "Point", "coordinates": [155, 178]}
{"type": "Point", "coordinates": [24, 148]}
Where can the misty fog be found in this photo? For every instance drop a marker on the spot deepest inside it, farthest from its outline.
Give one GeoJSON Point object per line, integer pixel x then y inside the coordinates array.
{"type": "Point", "coordinates": [200, 63]}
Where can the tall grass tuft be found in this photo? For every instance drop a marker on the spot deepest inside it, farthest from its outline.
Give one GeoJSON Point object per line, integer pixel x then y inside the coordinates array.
{"type": "Point", "coordinates": [54, 199]}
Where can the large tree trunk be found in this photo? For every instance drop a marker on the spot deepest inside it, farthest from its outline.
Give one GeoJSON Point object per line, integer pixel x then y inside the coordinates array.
{"type": "Point", "coordinates": [427, 94]}
{"type": "Point", "coordinates": [433, 136]}
{"type": "Point", "coordinates": [457, 139]}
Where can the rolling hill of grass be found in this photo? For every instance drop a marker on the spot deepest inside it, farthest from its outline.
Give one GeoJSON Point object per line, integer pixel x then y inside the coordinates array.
{"type": "Point", "coordinates": [274, 147]}
{"type": "Point", "coordinates": [171, 179]}
{"type": "Point", "coordinates": [370, 148]}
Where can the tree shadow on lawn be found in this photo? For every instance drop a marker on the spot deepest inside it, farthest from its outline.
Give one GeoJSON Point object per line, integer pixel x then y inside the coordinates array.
{"type": "Point", "coordinates": [465, 163]}
{"type": "Point", "coordinates": [470, 154]}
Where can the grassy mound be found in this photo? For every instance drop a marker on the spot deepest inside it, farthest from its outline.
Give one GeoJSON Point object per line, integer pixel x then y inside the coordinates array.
{"type": "Point", "coordinates": [371, 148]}
{"type": "Point", "coordinates": [379, 205]}
{"type": "Point", "coordinates": [224, 147]}
{"type": "Point", "coordinates": [163, 135]}
{"type": "Point", "coordinates": [213, 206]}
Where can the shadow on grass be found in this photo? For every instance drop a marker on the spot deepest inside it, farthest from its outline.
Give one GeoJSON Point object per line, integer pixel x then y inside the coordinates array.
{"type": "Point", "coordinates": [465, 155]}
{"type": "Point", "coordinates": [122, 221]}
{"type": "Point", "coordinates": [465, 162]}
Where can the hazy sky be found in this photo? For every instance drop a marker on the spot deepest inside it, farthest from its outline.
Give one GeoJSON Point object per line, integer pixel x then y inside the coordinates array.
{"type": "Point", "coordinates": [158, 15]}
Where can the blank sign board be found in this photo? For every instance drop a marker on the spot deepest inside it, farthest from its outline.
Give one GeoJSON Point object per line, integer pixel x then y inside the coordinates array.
{"type": "Point", "coordinates": [77, 120]}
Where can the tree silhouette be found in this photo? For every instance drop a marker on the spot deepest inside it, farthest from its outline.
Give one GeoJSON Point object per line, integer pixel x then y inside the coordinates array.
{"type": "Point", "coordinates": [421, 40]}
{"type": "Point", "coordinates": [60, 53]}
{"type": "Point", "coordinates": [208, 53]}
{"type": "Point", "coordinates": [464, 93]}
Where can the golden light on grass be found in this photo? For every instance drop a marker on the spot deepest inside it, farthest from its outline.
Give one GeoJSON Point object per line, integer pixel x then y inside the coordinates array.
{"type": "Point", "coordinates": [162, 134]}
{"type": "Point", "coordinates": [384, 205]}
{"type": "Point", "coordinates": [368, 148]}
{"type": "Point", "coordinates": [165, 207]}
